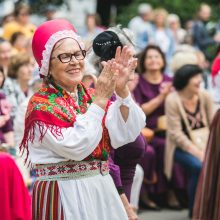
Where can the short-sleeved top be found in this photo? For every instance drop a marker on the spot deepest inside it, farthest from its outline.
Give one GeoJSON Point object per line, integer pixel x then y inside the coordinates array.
{"type": "Point", "coordinates": [146, 91]}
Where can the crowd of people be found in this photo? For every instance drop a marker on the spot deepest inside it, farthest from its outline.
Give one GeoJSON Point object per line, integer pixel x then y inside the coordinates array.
{"type": "Point", "coordinates": [109, 120]}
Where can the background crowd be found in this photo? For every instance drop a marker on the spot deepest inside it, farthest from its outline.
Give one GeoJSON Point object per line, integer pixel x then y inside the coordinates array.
{"type": "Point", "coordinates": [177, 85]}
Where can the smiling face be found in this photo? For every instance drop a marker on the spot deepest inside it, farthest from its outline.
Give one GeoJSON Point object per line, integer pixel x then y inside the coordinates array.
{"type": "Point", "coordinates": [67, 75]}
{"type": "Point", "coordinates": [194, 84]}
{"type": "Point", "coordinates": [153, 60]}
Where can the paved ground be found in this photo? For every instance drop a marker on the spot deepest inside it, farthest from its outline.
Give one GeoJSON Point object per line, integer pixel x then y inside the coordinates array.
{"type": "Point", "coordinates": [164, 215]}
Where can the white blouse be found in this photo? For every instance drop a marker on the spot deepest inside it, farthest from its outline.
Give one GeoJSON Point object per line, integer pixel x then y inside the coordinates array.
{"type": "Point", "coordinates": [94, 197]}
{"type": "Point", "coordinates": [80, 141]}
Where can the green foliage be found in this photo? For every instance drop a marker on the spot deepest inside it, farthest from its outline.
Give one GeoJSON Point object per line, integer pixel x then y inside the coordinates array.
{"type": "Point", "coordinates": [185, 9]}
{"type": "Point", "coordinates": [38, 6]}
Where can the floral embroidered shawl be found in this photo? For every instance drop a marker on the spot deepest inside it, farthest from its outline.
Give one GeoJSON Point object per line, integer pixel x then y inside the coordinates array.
{"type": "Point", "coordinates": [54, 109]}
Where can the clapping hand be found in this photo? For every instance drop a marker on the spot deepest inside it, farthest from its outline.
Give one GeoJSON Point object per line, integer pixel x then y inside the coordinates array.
{"type": "Point", "coordinates": [165, 88]}
{"type": "Point", "coordinates": [125, 65]}
{"type": "Point", "coordinates": [106, 83]}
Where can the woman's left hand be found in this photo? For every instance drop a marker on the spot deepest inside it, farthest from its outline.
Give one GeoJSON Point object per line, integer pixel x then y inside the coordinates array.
{"type": "Point", "coordinates": [125, 65]}
{"type": "Point", "coordinates": [129, 210]}
{"type": "Point", "coordinates": [131, 214]}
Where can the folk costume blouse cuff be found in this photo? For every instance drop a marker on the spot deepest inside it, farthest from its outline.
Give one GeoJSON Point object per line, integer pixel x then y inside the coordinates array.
{"type": "Point", "coordinates": [126, 101]}
{"type": "Point", "coordinates": [122, 132]}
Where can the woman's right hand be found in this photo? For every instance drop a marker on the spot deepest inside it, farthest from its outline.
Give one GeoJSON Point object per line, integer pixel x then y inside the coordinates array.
{"type": "Point", "coordinates": [106, 83]}
{"type": "Point", "coordinates": [199, 154]}
{"type": "Point", "coordinates": [165, 88]}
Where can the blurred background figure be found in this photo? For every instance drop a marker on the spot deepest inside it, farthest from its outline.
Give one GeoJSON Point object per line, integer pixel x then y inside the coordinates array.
{"type": "Point", "coordinates": [183, 55]}
{"type": "Point", "coordinates": [16, 85]}
{"type": "Point", "coordinates": [152, 89]}
{"type": "Point", "coordinates": [50, 12]}
{"type": "Point", "coordinates": [19, 42]}
{"type": "Point", "coordinates": [21, 22]}
{"type": "Point", "coordinates": [141, 26]}
{"type": "Point", "coordinates": [179, 34]}
{"type": "Point", "coordinates": [162, 35]}
{"type": "Point", "coordinates": [6, 19]}
{"type": "Point", "coordinates": [188, 109]}
{"type": "Point", "coordinates": [6, 125]}
{"type": "Point", "coordinates": [202, 38]}
{"type": "Point", "coordinates": [34, 85]}
{"type": "Point", "coordinates": [189, 32]}
{"type": "Point", "coordinates": [5, 54]}
{"type": "Point", "coordinates": [92, 29]}
{"type": "Point", "coordinates": [15, 200]}
{"type": "Point", "coordinates": [27, 173]}
{"type": "Point", "coordinates": [136, 187]}
{"type": "Point", "coordinates": [187, 54]}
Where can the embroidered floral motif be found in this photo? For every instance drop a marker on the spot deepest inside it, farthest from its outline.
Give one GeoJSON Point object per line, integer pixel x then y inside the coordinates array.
{"type": "Point", "coordinates": [54, 109]}
{"type": "Point", "coordinates": [71, 170]}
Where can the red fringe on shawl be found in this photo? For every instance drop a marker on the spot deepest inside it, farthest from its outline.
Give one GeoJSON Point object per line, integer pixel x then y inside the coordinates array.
{"type": "Point", "coordinates": [44, 121]}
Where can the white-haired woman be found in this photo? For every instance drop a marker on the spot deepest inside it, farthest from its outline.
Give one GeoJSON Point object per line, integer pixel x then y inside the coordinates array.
{"type": "Point", "coordinates": [173, 22]}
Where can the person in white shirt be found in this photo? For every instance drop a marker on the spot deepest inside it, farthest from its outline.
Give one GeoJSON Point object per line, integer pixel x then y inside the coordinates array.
{"type": "Point", "coordinates": [141, 26]}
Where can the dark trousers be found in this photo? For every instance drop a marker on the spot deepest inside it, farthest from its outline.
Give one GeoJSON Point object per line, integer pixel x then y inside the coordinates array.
{"type": "Point", "coordinates": [193, 166]}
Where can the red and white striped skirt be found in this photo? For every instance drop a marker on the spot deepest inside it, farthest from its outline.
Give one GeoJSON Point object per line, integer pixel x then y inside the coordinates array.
{"type": "Point", "coordinates": [46, 202]}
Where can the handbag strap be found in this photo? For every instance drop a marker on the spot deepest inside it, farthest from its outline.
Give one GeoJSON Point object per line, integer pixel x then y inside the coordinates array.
{"type": "Point", "coordinates": [183, 113]}
{"type": "Point", "coordinates": [205, 107]}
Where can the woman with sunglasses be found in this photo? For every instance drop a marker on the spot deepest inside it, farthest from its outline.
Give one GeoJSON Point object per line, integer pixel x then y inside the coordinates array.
{"type": "Point", "coordinates": [68, 128]}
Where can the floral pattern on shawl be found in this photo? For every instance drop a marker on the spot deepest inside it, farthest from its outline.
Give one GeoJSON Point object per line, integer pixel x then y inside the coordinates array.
{"type": "Point", "coordinates": [54, 109]}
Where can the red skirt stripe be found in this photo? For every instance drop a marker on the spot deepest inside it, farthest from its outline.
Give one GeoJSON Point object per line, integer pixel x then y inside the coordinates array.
{"type": "Point", "coordinates": [46, 203]}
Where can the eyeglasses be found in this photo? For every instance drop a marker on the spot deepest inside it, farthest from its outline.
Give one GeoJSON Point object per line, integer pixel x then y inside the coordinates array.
{"type": "Point", "coordinates": [67, 57]}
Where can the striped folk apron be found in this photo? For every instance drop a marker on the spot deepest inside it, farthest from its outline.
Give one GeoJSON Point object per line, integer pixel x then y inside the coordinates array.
{"type": "Point", "coordinates": [46, 200]}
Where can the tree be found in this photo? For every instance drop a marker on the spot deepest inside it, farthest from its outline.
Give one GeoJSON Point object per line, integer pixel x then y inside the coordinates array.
{"type": "Point", "coordinates": [185, 9]}
{"type": "Point", "coordinates": [38, 6]}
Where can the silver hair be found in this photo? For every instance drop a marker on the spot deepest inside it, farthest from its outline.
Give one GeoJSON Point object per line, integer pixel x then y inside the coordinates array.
{"type": "Point", "coordinates": [126, 37]}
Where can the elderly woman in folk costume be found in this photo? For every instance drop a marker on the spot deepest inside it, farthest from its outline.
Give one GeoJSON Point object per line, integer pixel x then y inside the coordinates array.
{"type": "Point", "coordinates": [69, 129]}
